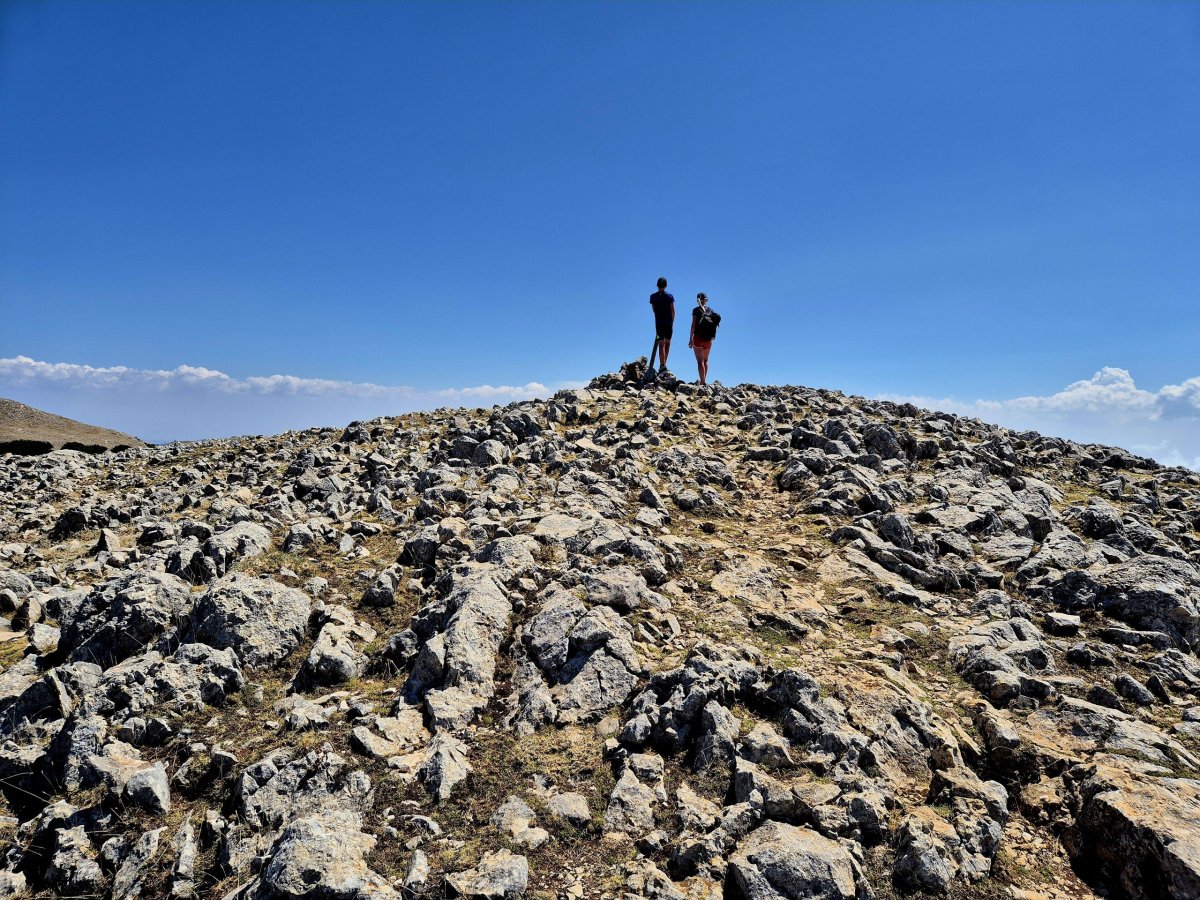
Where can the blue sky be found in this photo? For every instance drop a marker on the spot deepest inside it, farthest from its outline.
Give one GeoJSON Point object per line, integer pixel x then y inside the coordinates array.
{"type": "Point", "coordinates": [409, 204]}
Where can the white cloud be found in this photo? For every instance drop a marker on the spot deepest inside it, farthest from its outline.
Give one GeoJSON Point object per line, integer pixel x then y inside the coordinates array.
{"type": "Point", "coordinates": [1108, 408]}
{"type": "Point", "coordinates": [23, 370]}
{"type": "Point", "coordinates": [190, 402]}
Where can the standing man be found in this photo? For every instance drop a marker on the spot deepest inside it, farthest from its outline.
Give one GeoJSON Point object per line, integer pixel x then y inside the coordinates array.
{"type": "Point", "coordinates": [663, 305]}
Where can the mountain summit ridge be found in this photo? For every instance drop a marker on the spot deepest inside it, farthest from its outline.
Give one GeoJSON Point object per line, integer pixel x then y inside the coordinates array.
{"type": "Point", "coordinates": [27, 430]}
{"type": "Point", "coordinates": [665, 642]}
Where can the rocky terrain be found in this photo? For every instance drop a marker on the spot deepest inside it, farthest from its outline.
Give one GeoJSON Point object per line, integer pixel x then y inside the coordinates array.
{"type": "Point", "coordinates": [26, 430]}
{"type": "Point", "coordinates": [675, 642]}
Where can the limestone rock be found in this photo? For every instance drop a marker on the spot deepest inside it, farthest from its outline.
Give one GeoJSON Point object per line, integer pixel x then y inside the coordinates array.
{"type": "Point", "coordinates": [570, 807]}
{"type": "Point", "coordinates": [322, 855]}
{"type": "Point", "coordinates": [120, 617]}
{"type": "Point", "coordinates": [499, 876]}
{"type": "Point", "coordinates": [777, 860]}
{"type": "Point", "coordinates": [630, 806]}
{"type": "Point", "coordinates": [446, 765]}
{"type": "Point", "coordinates": [1143, 832]}
{"type": "Point", "coordinates": [260, 619]}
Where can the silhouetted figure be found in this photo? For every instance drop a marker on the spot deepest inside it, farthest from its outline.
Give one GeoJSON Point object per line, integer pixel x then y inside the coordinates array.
{"type": "Point", "coordinates": [704, 330]}
{"type": "Point", "coordinates": [663, 305]}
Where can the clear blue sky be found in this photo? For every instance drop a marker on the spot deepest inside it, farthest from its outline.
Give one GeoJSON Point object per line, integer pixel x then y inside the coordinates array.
{"type": "Point", "coordinates": [973, 200]}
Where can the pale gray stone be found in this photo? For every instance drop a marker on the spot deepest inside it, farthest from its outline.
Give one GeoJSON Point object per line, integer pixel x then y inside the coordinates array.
{"type": "Point", "coordinates": [777, 860]}
{"type": "Point", "coordinates": [261, 620]}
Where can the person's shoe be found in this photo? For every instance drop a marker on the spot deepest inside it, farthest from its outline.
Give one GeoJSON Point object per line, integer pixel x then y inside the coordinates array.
{"type": "Point", "coordinates": [662, 368]}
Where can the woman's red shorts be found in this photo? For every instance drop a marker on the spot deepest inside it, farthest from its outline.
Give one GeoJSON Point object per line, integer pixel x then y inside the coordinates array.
{"type": "Point", "coordinates": [702, 345]}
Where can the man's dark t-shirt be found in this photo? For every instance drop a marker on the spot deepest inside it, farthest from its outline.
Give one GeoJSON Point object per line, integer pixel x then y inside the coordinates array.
{"type": "Point", "coordinates": [663, 304]}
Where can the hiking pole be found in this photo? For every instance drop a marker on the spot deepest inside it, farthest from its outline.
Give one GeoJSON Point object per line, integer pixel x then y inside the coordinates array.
{"type": "Point", "coordinates": [650, 373]}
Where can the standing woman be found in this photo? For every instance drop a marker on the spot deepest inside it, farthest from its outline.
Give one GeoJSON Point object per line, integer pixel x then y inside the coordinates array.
{"type": "Point", "coordinates": [704, 329]}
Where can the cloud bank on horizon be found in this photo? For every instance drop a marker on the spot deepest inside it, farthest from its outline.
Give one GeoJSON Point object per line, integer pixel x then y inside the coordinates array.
{"type": "Point", "coordinates": [1108, 408]}
{"type": "Point", "coordinates": [192, 402]}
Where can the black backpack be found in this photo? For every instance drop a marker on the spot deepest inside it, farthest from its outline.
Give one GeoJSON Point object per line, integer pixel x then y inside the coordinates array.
{"type": "Point", "coordinates": [706, 323]}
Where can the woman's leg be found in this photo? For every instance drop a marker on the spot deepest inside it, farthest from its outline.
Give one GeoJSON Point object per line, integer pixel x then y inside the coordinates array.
{"type": "Point", "coordinates": [699, 364]}
{"type": "Point", "coordinates": [703, 360]}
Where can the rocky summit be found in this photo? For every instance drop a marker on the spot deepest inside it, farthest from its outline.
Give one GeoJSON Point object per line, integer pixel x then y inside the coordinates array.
{"type": "Point", "coordinates": [664, 642]}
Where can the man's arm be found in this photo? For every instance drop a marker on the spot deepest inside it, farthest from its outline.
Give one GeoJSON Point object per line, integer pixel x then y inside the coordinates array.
{"type": "Point", "coordinates": [672, 312]}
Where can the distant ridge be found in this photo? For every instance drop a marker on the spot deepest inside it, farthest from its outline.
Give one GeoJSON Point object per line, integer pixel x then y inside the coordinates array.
{"type": "Point", "coordinates": [27, 431]}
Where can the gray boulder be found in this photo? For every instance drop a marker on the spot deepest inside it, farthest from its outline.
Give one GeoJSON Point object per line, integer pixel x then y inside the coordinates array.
{"type": "Point", "coordinates": [513, 556]}
{"type": "Point", "coordinates": [193, 675]}
{"type": "Point", "coordinates": [621, 588]}
{"type": "Point", "coordinates": [490, 453]}
{"type": "Point", "coordinates": [1156, 594]}
{"type": "Point", "coordinates": [12, 885]}
{"type": "Point", "coordinates": [796, 476]}
{"type": "Point", "coordinates": [1133, 690]}
{"type": "Point", "coordinates": [499, 876]}
{"type": "Point", "coordinates": [299, 536]}
{"type": "Point", "coordinates": [718, 731]}
{"type": "Point", "coordinates": [421, 548]}
{"type": "Point", "coordinates": [277, 789]}
{"type": "Point", "coordinates": [135, 863]}
{"type": "Point", "coordinates": [130, 778]}
{"type": "Point", "coordinates": [630, 806]}
{"type": "Point", "coordinates": [260, 619]}
{"type": "Point", "coordinates": [200, 559]}
{"type": "Point", "coordinates": [446, 765]}
{"type": "Point", "coordinates": [121, 617]}
{"type": "Point", "coordinates": [462, 632]}
{"type": "Point", "coordinates": [418, 872]}
{"type": "Point", "coordinates": [923, 860]}
{"type": "Point", "coordinates": [148, 789]}
{"type": "Point", "coordinates": [777, 860]}
{"type": "Point", "coordinates": [515, 819]}
{"type": "Point", "coordinates": [382, 591]}
{"type": "Point", "coordinates": [570, 807]}
{"type": "Point", "coordinates": [1149, 592]}
{"type": "Point", "coordinates": [1142, 833]}
{"type": "Point", "coordinates": [334, 658]}
{"type": "Point", "coordinates": [667, 714]}
{"type": "Point", "coordinates": [765, 746]}
{"type": "Point", "coordinates": [240, 541]}
{"type": "Point", "coordinates": [895, 529]}
{"type": "Point", "coordinates": [20, 585]}
{"type": "Point", "coordinates": [73, 868]}
{"type": "Point", "coordinates": [322, 855]}
{"type": "Point", "coordinates": [587, 656]}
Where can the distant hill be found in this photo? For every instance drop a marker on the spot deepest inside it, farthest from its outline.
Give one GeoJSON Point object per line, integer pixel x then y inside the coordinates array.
{"type": "Point", "coordinates": [28, 431]}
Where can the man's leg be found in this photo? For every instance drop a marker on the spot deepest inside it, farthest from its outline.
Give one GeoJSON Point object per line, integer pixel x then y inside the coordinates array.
{"type": "Point", "coordinates": [664, 350]}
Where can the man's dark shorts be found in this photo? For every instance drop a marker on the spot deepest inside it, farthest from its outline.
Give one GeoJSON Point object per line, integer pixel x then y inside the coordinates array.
{"type": "Point", "coordinates": [664, 330]}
